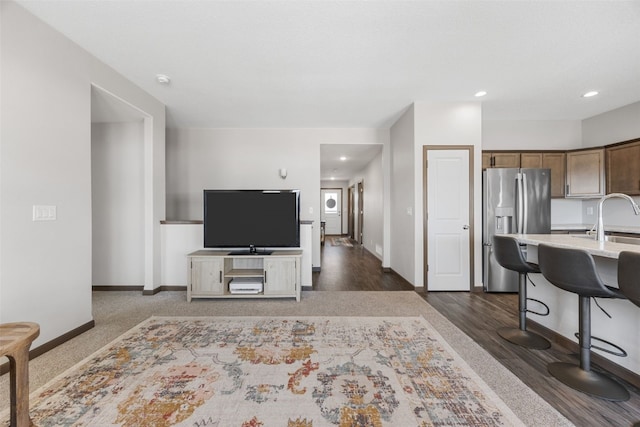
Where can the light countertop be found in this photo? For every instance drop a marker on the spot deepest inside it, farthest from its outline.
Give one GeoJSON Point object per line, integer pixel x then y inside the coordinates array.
{"type": "Point", "coordinates": [610, 228]}
{"type": "Point", "coordinates": [573, 241]}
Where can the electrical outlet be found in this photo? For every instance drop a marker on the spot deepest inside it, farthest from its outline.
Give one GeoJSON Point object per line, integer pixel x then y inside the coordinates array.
{"type": "Point", "coordinates": [44, 213]}
{"type": "Point", "coordinates": [590, 210]}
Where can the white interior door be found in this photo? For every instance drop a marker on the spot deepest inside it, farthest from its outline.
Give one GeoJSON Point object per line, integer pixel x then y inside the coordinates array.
{"type": "Point", "coordinates": [332, 210]}
{"type": "Point", "coordinates": [448, 251]}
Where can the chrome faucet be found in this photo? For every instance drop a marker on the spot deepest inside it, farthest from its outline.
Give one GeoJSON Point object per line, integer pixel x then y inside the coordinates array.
{"type": "Point", "coordinates": [600, 227]}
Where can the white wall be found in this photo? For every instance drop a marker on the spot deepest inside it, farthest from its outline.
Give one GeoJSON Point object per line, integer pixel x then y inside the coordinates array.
{"type": "Point", "coordinates": [402, 233]}
{"type": "Point", "coordinates": [117, 183]}
{"type": "Point", "coordinates": [373, 226]}
{"type": "Point", "coordinates": [531, 134]}
{"type": "Point", "coordinates": [447, 124]}
{"type": "Point", "coordinates": [621, 124]}
{"type": "Point", "coordinates": [250, 158]}
{"type": "Point", "coordinates": [45, 267]}
{"type": "Point", "coordinates": [538, 135]}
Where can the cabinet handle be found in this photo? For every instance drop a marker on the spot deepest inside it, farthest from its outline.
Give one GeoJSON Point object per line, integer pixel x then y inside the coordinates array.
{"type": "Point", "coordinates": [265, 276]}
{"type": "Point", "coordinates": [566, 189]}
{"type": "Point", "coordinates": [220, 276]}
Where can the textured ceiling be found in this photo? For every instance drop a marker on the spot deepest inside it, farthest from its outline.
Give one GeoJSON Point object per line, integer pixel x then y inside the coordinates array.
{"type": "Point", "coordinates": [360, 64]}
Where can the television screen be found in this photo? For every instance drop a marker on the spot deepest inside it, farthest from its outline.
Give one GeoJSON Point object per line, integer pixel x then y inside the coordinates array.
{"type": "Point", "coordinates": [251, 218]}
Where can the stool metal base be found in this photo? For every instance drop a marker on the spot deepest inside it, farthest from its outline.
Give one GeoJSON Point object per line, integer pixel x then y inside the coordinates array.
{"type": "Point", "coordinates": [588, 382]}
{"type": "Point", "coordinates": [524, 338]}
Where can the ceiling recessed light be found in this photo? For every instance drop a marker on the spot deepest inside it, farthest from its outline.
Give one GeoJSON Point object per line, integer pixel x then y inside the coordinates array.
{"type": "Point", "coordinates": [590, 94]}
{"type": "Point", "coordinates": [481, 93]}
{"type": "Point", "coordinates": [163, 79]}
{"type": "Point", "coordinates": [343, 158]}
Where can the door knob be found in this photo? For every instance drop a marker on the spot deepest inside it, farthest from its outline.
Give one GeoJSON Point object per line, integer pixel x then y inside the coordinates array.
{"type": "Point", "coordinates": [465, 227]}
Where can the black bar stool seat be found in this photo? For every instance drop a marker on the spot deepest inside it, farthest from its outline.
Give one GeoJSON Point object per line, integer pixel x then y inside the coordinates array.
{"type": "Point", "coordinates": [509, 255]}
{"type": "Point", "coordinates": [574, 270]}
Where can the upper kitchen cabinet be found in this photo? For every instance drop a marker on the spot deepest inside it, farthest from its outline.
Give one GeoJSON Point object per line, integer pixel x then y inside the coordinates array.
{"type": "Point", "coordinates": [500, 160]}
{"type": "Point", "coordinates": [556, 161]}
{"type": "Point", "coordinates": [585, 173]}
{"type": "Point", "coordinates": [623, 168]}
{"type": "Point", "coordinates": [530, 160]}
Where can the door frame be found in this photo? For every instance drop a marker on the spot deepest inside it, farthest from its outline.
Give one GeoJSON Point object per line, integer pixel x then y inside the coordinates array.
{"type": "Point", "coordinates": [425, 222]}
{"type": "Point", "coordinates": [341, 197]}
{"type": "Point", "coordinates": [360, 237]}
{"type": "Point", "coordinates": [350, 212]}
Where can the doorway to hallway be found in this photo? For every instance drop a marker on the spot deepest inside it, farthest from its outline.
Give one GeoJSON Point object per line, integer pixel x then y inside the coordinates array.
{"type": "Point", "coordinates": [331, 201]}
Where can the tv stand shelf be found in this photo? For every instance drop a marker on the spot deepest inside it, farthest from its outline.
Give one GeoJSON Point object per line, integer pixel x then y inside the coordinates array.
{"type": "Point", "coordinates": [249, 272]}
{"type": "Point", "coordinates": [211, 272]}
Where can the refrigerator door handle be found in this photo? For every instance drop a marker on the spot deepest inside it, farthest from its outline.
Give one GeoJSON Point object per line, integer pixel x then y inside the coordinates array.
{"type": "Point", "coordinates": [525, 204]}
{"type": "Point", "coordinates": [519, 203]}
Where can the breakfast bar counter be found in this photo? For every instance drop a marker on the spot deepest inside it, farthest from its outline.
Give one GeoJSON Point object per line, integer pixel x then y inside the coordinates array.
{"type": "Point", "coordinates": [622, 329]}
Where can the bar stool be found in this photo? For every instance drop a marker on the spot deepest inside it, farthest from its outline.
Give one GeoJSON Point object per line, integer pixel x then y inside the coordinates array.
{"type": "Point", "coordinates": [508, 254]}
{"type": "Point", "coordinates": [15, 340]}
{"type": "Point", "coordinates": [629, 280]}
{"type": "Point", "coordinates": [574, 270]}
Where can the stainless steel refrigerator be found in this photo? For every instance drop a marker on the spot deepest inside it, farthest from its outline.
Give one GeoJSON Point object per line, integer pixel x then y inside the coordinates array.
{"type": "Point", "coordinates": [514, 201]}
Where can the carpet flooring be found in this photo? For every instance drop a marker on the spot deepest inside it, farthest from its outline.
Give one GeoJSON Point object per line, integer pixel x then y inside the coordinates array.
{"type": "Point", "coordinates": [116, 312]}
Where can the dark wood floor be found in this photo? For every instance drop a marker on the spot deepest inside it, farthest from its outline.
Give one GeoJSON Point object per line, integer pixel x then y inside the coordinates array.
{"type": "Point", "coordinates": [479, 314]}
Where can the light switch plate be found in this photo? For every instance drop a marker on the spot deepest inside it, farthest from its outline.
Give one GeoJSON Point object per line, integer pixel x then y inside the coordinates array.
{"type": "Point", "coordinates": [44, 213]}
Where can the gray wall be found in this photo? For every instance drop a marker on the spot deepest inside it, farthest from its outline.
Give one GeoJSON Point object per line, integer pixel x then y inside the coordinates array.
{"type": "Point", "coordinates": [621, 124]}
{"type": "Point", "coordinates": [402, 195]}
{"type": "Point", "coordinates": [45, 267]}
{"type": "Point", "coordinates": [531, 134]}
{"type": "Point", "coordinates": [117, 186]}
{"type": "Point", "coordinates": [372, 231]}
{"type": "Point", "coordinates": [250, 158]}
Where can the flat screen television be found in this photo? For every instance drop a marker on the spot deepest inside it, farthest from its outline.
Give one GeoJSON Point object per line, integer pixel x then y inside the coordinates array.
{"type": "Point", "coordinates": [251, 220]}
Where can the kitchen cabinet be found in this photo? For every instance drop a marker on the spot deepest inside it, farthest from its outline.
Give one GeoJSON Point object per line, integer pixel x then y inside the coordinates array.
{"type": "Point", "coordinates": [623, 168]}
{"type": "Point", "coordinates": [585, 173]}
{"type": "Point", "coordinates": [500, 160]}
{"type": "Point", "coordinates": [530, 160]}
{"type": "Point", "coordinates": [556, 161]}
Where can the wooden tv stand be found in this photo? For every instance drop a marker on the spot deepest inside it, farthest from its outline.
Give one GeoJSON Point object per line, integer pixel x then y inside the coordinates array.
{"type": "Point", "coordinates": [211, 271]}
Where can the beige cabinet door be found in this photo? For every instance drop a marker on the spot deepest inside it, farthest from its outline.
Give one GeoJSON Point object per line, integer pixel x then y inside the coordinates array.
{"type": "Point", "coordinates": [623, 169]}
{"type": "Point", "coordinates": [500, 160]}
{"type": "Point", "coordinates": [530, 160]}
{"type": "Point", "coordinates": [557, 162]}
{"type": "Point", "coordinates": [506, 160]}
{"type": "Point", "coordinates": [585, 173]}
{"type": "Point", "coordinates": [280, 276]}
{"type": "Point", "coordinates": [206, 276]}
{"type": "Point", "coordinates": [486, 160]}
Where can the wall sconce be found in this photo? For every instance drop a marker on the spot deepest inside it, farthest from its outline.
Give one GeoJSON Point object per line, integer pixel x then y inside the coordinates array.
{"type": "Point", "coordinates": [283, 173]}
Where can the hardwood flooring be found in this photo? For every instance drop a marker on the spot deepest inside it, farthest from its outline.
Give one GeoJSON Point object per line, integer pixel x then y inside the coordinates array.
{"type": "Point", "coordinates": [354, 269]}
{"type": "Point", "coordinates": [479, 314]}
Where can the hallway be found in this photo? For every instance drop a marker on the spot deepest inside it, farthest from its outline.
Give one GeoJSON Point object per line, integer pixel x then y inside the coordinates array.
{"type": "Point", "coordinates": [353, 268]}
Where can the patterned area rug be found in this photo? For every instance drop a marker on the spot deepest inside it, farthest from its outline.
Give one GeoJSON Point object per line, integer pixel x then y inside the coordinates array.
{"type": "Point", "coordinates": [273, 371]}
{"type": "Point", "coordinates": [341, 241]}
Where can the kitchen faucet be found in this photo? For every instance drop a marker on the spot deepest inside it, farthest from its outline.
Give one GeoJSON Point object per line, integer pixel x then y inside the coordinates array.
{"type": "Point", "coordinates": [600, 227]}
